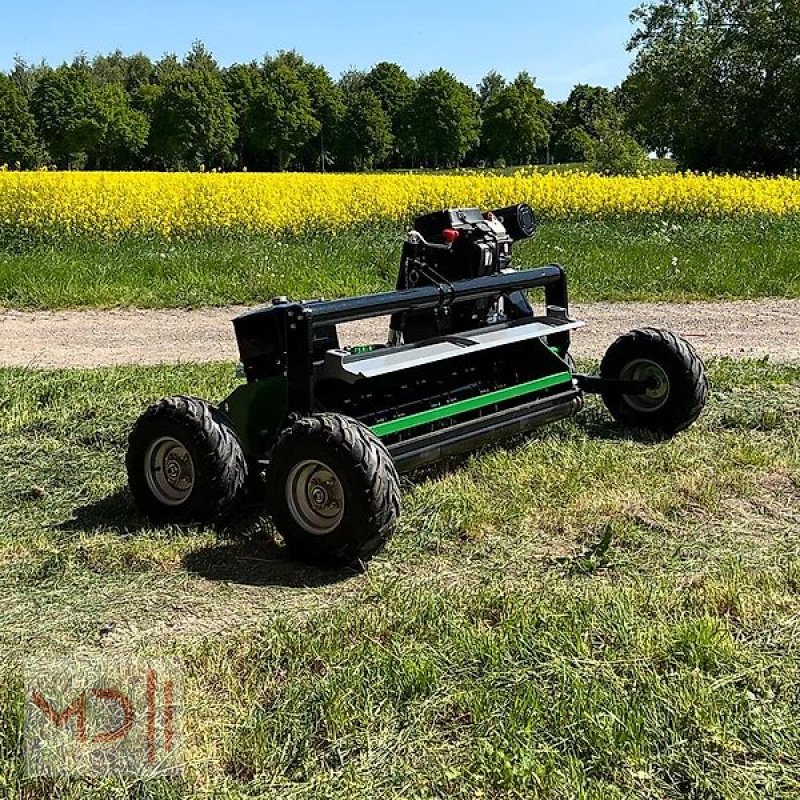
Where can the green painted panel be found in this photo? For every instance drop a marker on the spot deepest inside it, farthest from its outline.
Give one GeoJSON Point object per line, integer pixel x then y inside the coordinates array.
{"type": "Point", "coordinates": [257, 411]}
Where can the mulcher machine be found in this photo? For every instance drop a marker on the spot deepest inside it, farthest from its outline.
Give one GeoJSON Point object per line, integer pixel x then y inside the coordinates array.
{"type": "Point", "coordinates": [321, 431]}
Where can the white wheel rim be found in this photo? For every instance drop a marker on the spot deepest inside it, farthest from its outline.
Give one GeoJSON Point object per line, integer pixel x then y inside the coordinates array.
{"type": "Point", "coordinates": [169, 471]}
{"type": "Point", "coordinates": [315, 497]}
{"type": "Point", "coordinates": [657, 393]}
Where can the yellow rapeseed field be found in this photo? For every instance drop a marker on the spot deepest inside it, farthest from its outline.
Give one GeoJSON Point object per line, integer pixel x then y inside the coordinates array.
{"type": "Point", "coordinates": [110, 205]}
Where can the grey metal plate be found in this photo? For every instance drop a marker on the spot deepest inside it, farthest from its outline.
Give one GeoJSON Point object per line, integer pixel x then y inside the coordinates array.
{"type": "Point", "coordinates": [351, 366]}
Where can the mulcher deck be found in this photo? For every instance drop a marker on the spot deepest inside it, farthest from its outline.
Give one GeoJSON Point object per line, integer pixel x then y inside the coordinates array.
{"type": "Point", "coordinates": [472, 404]}
{"type": "Point", "coordinates": [426, 446]}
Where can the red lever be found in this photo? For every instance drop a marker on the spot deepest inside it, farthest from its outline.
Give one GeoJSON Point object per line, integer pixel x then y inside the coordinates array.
{"type": "Point", "coordinates": [450, 235]}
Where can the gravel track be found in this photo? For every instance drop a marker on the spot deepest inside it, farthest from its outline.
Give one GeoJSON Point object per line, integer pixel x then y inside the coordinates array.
{"type": "Point", "coordinates": [47, 339]}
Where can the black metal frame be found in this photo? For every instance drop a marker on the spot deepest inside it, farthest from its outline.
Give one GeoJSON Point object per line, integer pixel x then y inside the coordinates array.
{"type": "Point", "coordinates": [552, 278]}
{"type": "Point", "coordinates": [301, 319]}
{"type": "Point", "coordinates": [291, 339]}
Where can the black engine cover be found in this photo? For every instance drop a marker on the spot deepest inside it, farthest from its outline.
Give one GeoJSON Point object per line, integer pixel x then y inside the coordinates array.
{"type": "Point", "coordinates": [461, 244]}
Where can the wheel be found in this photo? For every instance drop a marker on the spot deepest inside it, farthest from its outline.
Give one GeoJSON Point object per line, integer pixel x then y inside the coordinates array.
{"type": "Point", "coordinates": [185, 461]}
{"type": "Point", "coordinates": [332, 490]}
{"type": "Point", "coordinates": [677, 384]}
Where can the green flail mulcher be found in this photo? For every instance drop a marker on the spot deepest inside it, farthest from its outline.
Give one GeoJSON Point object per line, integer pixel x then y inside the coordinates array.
{"type": "Point", "coordinates": [319, 432]}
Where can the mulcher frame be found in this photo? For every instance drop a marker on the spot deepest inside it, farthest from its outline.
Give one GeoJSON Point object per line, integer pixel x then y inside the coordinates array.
{"type": "Point", "coordinates": [288, 349]}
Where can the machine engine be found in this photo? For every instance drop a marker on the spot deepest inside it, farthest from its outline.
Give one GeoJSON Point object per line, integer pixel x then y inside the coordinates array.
{"type": "Point", "coordinates": [454, 245]}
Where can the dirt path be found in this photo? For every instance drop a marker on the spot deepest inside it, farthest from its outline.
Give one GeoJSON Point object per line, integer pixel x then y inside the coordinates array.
{"type": "Point", "coordinates": [98, 338]}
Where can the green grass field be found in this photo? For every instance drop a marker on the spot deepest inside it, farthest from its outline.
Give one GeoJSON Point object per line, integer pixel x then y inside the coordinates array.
{"type": "Point", "coordinates": [577, 614]}
{"type": "Point", "coordinates": [624, 259]}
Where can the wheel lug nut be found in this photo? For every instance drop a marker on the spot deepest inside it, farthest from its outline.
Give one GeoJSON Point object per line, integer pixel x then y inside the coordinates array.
{"type": "Point", "coordinates": [318, 496]}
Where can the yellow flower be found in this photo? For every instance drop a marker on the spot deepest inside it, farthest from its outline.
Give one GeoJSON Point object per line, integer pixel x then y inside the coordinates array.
{"type": "Point", "coordinates": [111, 205]}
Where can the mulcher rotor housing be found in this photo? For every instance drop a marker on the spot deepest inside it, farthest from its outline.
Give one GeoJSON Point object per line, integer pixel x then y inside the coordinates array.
{"type": "Point", "coordinates": [469, 360]}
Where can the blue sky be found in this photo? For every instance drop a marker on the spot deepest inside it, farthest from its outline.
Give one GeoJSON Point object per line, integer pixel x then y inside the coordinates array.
{"type": "Point", "coordinates": [561, 42]}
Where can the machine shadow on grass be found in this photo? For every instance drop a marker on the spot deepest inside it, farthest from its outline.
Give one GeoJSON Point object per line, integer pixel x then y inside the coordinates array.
{"type": "Point", "coordinates": [246, 551]}
{"type": "Point", "coordinates": [117, 513]}
{"type": "Point", "coordinates": [260, 562]}
{"type": "Point", "coordinates": [114, 513]}
{"type": "Point", "coordinates": [596, 423]}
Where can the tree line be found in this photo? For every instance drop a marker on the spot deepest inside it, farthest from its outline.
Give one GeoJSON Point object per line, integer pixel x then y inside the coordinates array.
{"type": "Point", "coordinates": [716, 83]}
{"type": "Point", "coordinates": [713, 83]}
{"type": "Point", "coordinates": [122, 111]}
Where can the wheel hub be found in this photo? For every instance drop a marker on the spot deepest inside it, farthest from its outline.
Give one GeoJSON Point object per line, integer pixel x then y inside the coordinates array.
{"type": "Point", "coordinates": [655, 380]}
{"type": "Point", "coordinates": [315, 497]}
{"type": "Point", "coordinates": [169, 471]}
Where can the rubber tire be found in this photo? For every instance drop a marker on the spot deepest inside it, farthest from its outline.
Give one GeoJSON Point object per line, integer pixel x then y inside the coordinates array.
{"type": "Point", "coordinates": [369, 482]}
{"type": "Point", "coordinates": [219, 461]}
{"type": "Point", "coordinates": [688, 390]}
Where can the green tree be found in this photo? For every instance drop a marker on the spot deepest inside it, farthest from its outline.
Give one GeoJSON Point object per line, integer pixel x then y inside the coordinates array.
{"type": "Point", "coordinates": [64, 103]}
{"type": "Point", "coordinates": [25, 76]}
{"type": "Point", "coordinates": [615, 152]}
{"type": "Point", "coordinates": [493, 83]}
{"type": "Point", "coordinates": [571, 145]}
{"type": "Point", "coordinates": [716, 82]}
{"type": "Point", "coordinates": [578, 121]}
{"type": "Point", "coordinates": [592, 108]}
{"type": "Point", "coordinates": [19, 143]}
{"type": "Point", "coordinates": [129, 72]}
{"type": "Point", "coordinates": [392, 86]}
{"type": "Point", "coordinates": [192, 121]}
{"type": "Point", "coordinates": [124, 129]}
{"type": "Point", "coordinates": [280, 119]}
{"type": "Point", "coordinates": [394, 89]}
{"type": "Point", "coordinates": [446, 121]}
{"type": "Point", "coordinates": [352, 81]}
{"type": "Point", "coordinates": [86, 124]}
{"type": "Point", "coordinates": [166, 66]}
{"type": "Point", "coordinates": [516, 122]}
{"type": "Point", "coordinates": [327, 108]}
{"type": "Point", "coordinates": [365, 135]}
{"type": "Point", "coordinates": [242, 82]}
{"type": "Point", "coordinates": [200, 57]}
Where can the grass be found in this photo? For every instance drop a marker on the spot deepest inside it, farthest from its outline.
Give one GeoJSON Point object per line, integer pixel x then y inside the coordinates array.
{"type": "Point", "coordinates": [624, 259]}
{"type": "Point", "coordinates": [577, 614]}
